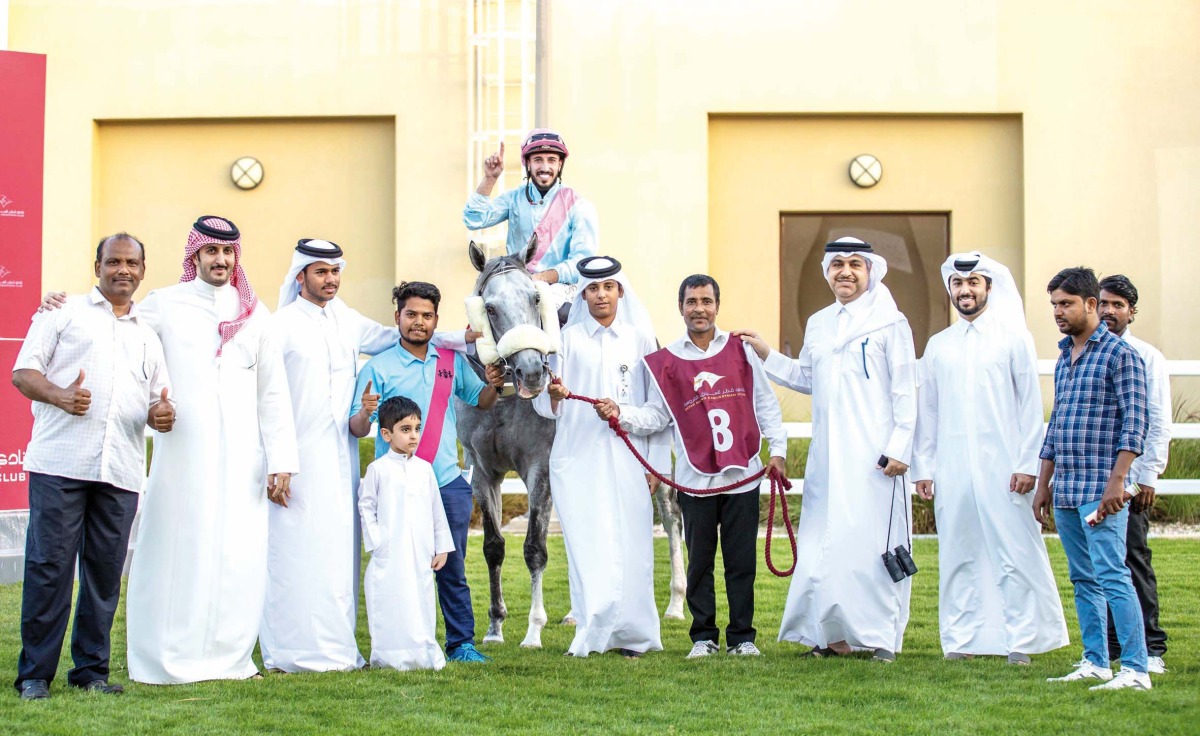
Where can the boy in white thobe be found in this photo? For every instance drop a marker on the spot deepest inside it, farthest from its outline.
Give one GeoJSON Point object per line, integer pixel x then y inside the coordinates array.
{"type": "Point", "coordinates": [979, 431]}
{"type": "Point", "coordinates": [406, 532]}
{"type": "Point", "coordinates": [599, 489]}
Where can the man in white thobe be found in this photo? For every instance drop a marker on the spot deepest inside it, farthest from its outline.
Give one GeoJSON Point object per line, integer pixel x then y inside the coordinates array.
{"type": "Point", "coordinates": [600, 490]}
{"type": "Point", "coordinates": [199, 574]}
{"type": "Point", "coordinates": [979, 431]}
{"type": "Point", "coordinates": [314, 554]}
{"type": "Point", "coordinates": [859, 365]}
{"type": "Point", "coordinates": [313, 557]}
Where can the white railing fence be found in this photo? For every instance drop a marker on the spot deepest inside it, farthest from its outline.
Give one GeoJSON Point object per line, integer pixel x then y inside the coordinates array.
{"type": "Point", "coordinates": [1179, 431]}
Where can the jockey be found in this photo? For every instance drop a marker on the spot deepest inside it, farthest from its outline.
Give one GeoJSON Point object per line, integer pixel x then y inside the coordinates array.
{"type": "Point", "coordinates": [566, 224]}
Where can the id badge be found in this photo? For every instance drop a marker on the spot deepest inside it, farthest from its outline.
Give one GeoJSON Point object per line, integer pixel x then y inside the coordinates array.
{"type": "Point", "coordinates": [623, 390]}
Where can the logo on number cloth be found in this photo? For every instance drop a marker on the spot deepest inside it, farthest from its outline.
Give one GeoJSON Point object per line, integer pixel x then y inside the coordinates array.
{"type": "Point", "coordinates": [705, 377]}
{"type": "Point", "coordinates": [444, 373]}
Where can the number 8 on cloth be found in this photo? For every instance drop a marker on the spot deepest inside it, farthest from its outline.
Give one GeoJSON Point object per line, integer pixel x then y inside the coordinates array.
{"type": "Point", "coordinates": [711, 401]}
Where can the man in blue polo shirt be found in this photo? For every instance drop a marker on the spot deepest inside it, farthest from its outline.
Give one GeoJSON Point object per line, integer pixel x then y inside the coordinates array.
{"type": "Point", "coordinates": [416, 369]}
{"type": "Point", "coordinates": [1097, 429]}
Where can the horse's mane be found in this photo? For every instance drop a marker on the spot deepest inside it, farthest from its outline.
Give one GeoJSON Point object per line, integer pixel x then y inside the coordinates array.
{"type": "Point", "coordinates": [496, 265]}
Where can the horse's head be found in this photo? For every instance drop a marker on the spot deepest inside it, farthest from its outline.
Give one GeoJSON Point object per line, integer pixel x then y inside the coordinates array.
{"type": "Point", "coordinates": [508, 304]}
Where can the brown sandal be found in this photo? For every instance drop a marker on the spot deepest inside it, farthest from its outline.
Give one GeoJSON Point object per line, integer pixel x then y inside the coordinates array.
{"type": "Point", "coordinates": [821, 653]}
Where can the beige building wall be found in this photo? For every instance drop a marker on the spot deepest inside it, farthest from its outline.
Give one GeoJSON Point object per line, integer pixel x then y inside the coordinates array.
{"type": "Point", "coordinates": [143, 167]}
{"type": "Point", "coordinates": [1107, 92]}
{"type": "Point", "coordinates": [762, 166]}
{"type": "Point", "coordinates": [229, 61]}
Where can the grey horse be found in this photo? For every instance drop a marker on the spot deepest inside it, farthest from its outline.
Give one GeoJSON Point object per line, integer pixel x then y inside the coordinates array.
{"type": "Point", "coordinates": [513, 437]}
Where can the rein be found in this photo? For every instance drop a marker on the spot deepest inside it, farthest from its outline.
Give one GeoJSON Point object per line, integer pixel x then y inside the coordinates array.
{"type": "Point", "coordinates": [779, 484]}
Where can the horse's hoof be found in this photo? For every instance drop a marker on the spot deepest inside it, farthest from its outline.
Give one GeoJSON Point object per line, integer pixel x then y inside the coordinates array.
{"type": "Point", "coordinates": [673, 615]}
{"type": "Point", "coordinates": [568, 621]}
{"type": "Point", "coordinates": [493, 639]}
{"type": "Point", "coordinates": [532, 643]}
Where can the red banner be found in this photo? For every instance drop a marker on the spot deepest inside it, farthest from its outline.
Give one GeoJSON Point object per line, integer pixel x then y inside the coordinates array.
{"type": "Point", "coordinates": [22, 134]}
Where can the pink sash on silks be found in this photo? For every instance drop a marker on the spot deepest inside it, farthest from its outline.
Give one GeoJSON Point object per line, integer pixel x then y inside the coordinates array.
{"type": "Point", "coordinates": [552, 222]}
{"type": "Point", "coordinates": [712, 403]}
{"type": "Point", "coordinates": [435, 415]}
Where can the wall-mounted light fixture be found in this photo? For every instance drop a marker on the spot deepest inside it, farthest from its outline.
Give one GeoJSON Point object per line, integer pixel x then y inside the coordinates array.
{"type": "Point", "coordinates": [866, 170]}
{"type": "Point", "coordinates": [246, 172]}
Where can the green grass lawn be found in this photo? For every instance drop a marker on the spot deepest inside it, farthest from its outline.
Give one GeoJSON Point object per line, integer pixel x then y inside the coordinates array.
{"type": "Point", "coordinates": [540, 691]}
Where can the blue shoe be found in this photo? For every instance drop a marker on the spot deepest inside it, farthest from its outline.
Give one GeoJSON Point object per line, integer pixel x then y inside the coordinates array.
{"type": "Point", "coordinates": [468, 653]}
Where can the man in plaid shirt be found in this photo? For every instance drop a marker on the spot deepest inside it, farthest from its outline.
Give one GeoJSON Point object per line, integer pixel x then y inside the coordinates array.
{"type": "Point", "coordinates": [1097, 428]}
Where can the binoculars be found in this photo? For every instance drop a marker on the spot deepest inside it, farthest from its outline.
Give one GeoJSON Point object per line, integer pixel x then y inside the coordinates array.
{"type": "Point", "coordinates": [899, 563]}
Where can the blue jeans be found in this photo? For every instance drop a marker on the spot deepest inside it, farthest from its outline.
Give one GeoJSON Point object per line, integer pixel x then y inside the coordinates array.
{"type": "Point", "coordinates": [1096, 561]}
{"type": "Point", "coordinates": [454, 595]}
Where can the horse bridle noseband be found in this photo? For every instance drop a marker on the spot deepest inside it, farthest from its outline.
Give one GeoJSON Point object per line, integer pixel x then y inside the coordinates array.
{"type": "Point", "coordinates": [479, 292]}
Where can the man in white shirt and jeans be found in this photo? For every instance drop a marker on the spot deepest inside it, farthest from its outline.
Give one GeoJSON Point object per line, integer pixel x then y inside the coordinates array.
{"type": "Point", "coordinates": [1118, 305]}
{"type": "Point", "coordinates": [97, 376]}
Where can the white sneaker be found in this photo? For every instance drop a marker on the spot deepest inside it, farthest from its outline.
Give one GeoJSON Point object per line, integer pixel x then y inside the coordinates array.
{"type": "Point", "coordinates": [1126, 678]}
{"type": "Point", "coordinates": [1155, 665]}
{"type": "Point", "coordinates": [745, 649]}
{"type": "Point", "coordinates": [1085, 670]}
{"type": "Point", "coordinates": [703, 648]}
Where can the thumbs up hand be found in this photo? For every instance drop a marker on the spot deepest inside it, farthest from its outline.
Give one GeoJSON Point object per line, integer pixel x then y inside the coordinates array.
{"type": "Point", "coordinates": [162, 414]}
{"type": "Point", "coordinates": [370, 401]}
{"type": "Point", "coordinates": [74, 398]}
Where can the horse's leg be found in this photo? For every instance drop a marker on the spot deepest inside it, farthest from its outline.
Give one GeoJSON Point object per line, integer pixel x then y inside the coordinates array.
{"type": "Point", "coordinates": [537, 481]}
{"type": "Point", "coordinates": [570, 618]}
{"type": "Point", "coordinates": [487, 495]}
{"type": "Point", "coordinates": [672, 521]}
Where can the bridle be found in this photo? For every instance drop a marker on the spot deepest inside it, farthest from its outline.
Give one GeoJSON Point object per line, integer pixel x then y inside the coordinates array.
{"type": "Point", "coordinates": [507, 266]}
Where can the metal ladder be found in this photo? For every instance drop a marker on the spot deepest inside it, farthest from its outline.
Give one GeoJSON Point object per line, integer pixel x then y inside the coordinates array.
{"type": "Point", "coordinates": [502, 94]}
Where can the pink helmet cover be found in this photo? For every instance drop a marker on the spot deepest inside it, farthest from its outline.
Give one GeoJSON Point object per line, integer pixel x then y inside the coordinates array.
{"type": "Point", "coordinates": [543, 140]}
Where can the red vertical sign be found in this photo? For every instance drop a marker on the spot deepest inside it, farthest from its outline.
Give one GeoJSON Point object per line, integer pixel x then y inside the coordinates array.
{"type": "Point", "coordinates": [22, 134]}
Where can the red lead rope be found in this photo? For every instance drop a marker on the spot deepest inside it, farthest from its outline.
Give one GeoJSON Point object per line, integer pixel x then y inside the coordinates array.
{"type": "Point", "coordinates": [779, 485]}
